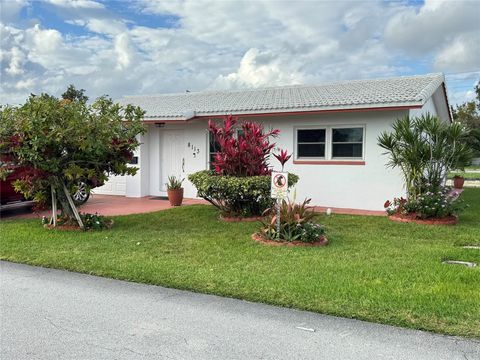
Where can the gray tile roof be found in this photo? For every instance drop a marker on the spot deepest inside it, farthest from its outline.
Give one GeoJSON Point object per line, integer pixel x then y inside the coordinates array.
{"type": "Point", "coordinates": [357, 94]}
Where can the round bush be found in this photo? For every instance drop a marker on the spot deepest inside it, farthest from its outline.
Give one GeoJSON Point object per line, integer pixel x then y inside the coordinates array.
{"type": "Point", "coordinates": [236, 196]}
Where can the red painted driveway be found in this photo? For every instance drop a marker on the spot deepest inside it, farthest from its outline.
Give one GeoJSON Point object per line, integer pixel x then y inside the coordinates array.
{"type": "Point", "coordinates": [110, 205]}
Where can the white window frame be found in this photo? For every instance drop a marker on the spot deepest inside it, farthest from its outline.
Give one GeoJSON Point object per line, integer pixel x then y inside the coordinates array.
{"type": "Point", "coordinates": [209, 154]}
{"type": "Point", "coordinates": [328, 142]}
{"type": "Point", "coordinates": [313, 127]}
{"type": "Point", "coordinates": [354, 142]}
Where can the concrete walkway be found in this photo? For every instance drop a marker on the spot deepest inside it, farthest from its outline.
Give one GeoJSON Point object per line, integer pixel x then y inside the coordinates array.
{"type": "Point", "coordinates": [52, 314]}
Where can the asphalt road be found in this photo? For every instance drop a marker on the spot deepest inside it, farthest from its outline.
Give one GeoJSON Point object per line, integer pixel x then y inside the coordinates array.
{"type": "Point", "coordinates": [51, 314]}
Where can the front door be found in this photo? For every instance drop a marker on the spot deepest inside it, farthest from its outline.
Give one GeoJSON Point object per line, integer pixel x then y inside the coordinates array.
{"type": "Point", "coordinates": [172, 157]}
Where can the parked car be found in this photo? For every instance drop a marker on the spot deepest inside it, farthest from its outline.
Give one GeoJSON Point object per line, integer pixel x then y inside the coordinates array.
{"type": "Point", "coordinates": [9, 198]}
{"type": "Point", "coordinates": [80, 193]}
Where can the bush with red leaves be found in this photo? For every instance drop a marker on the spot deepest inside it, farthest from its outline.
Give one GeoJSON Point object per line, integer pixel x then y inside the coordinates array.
{"type": "Point", "coordinates": [245, 155]}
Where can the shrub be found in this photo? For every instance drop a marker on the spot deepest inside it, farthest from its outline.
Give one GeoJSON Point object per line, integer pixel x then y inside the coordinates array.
{"type": "Point", "coordinates": [246, 155]}
{"type": "Point", "coordinates": [59, 142]}
{"type": "Point", "coordinates": [240, 183]}
{"type": "Point", "coordinates": [438, 204]}
{"type": "Point", "coordinates": [295, 223]}
{"type": "Point", "coordinates": [95, 222]}
{"type": "Point", "coordinates": [397, 206]}
{"type": "Point", "coordinates": [428, 205]}
{"type": "Point", "coordinates": [425, 149]}
{"type": "Point", "coordinates": [236, 196]}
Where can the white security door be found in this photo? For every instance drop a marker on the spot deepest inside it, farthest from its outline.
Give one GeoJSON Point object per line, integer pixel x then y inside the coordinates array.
{"type": "Point", "coordinates": [172, 157]}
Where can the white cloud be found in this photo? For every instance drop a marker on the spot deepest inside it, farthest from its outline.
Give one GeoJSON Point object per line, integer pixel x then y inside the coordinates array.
{"type": "Point", "coordinates": [460, 97]}
{"type": "Point", "coordinates": [17, 59]}
{"type": "Point", "coordinates": [105, 26]}
{"type": "Point", "coordinates": [43, 41]}
{"type": "Point", "coordinates": [10, 9]}
{"type": "Point", "coordinates": [259, 68]}
{"type": "Point", "coordinates": [100, 25]}
{"type": "Point", "coordinates": [462, 54]}
{"type": "Point", "coordinates": [433, 25]}
{"type": "Point", "coordinates": [123, 51]}
{"type": "Point", "coordinates": [77, 4]}
{"type": "Point", "coordinates": [25, 84]}
{"type": "Point", "coordinates": [227, 44]}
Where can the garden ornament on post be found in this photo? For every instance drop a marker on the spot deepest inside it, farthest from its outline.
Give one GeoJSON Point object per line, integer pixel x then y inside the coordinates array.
{"type": "Point", "coordinates": [279, 185]}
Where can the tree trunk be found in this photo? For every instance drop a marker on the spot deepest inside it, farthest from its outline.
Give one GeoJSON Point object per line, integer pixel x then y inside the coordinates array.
{"type": "Point", "coordinates": [67, 206]}
{"type": "Point", "coordinates": [67, 212]}
{"type": "Point", "coordinates": [54, 206]}
{"type": "Point", "coordinates": [73, 207]}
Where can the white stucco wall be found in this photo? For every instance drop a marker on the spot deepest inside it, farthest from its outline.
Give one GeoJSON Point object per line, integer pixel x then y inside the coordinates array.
{"type": "Point", "coordinates": [435, 105]}
{"type": "Point", "coordinates": [138, 185]}
{"type": "Point", "coordinates": [195, 133]}
{"type": "Point", "coordinates": [344, 186]}
{"type": "Point", "coordinates": [429, 107]}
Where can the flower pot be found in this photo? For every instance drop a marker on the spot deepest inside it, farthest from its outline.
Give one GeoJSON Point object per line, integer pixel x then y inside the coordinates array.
{"type": "Point", "coordinates": [175, 196]}
{"type": "Point", "coordinates": [458, 182]}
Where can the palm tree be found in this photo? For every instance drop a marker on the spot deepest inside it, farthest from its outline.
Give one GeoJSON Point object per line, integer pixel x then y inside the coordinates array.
{"type": "Point", "coordinates": [425, 149]}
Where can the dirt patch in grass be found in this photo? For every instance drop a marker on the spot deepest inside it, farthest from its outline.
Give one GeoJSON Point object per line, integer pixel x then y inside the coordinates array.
{"type": "Point", "coordinates": [322, 241]}
{"type": "Point", "coordinates": [240, 219]}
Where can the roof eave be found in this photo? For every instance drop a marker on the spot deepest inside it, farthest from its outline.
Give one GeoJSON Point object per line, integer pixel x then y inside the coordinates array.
{"type": "Point", "coordinates": [303, 111]}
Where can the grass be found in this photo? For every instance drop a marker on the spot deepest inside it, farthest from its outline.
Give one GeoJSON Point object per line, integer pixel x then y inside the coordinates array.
{"type": "Point", "coordinates": [374, 269]}
{"type": "Point", "coordinates": [466, 175]}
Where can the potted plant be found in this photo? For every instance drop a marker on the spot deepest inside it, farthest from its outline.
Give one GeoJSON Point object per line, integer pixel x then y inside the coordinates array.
{"type": "Point", "coordinates": [458, 181]}
{"type": "Point", "coordinates": [175, 190]}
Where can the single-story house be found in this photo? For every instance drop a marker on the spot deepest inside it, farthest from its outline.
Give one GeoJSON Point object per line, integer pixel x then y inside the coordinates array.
{"type": "Point", "coordinates": [331, 130]}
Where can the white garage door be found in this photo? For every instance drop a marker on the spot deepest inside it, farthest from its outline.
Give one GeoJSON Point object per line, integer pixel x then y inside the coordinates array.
{"type": "Point", "coordinates": [116, 185]}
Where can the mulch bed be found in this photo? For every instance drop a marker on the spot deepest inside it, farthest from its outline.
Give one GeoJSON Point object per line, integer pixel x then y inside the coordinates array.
{"type": "Point", "coordinates": [260, 239]}
{"type": "Point", "coordinates": [69, 227]}
{"type": "Point", "coordinates": [63, 227]}
{"type": "Point", "coordinates": [448, 220]}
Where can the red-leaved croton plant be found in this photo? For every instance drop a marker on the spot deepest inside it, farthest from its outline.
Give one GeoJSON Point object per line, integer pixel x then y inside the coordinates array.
{"type": "Point", "coordinates": [244, 155]}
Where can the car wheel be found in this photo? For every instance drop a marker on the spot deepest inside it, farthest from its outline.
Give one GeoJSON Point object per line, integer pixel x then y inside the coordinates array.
{"type": "Point", "coordinates": [81, 194]}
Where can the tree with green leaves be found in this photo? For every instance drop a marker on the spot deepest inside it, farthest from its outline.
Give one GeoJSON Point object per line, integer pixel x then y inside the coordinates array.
{"type": "Point", "coordinates": [468, 114]}
{"type": "Point", "coordinates": [73, 94]}
{"type": "Point", "coordinates": [426, 149]}
{"type": "Point", "coordinates": [53, 143]}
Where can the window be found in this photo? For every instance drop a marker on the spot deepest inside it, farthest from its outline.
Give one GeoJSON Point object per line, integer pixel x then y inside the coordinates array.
{"type": "Point", "coordinates": [213, 148]}
{"type": "Point", "coordinates": [330, 144]}
{"type": "Point", "coordinates": [347, 143]}
{"type": "Point", "coordinates": [311, 143]}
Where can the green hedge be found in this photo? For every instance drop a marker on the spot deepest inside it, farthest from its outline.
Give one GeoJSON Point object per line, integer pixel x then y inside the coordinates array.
{"type": "Point", "coordinates": [236, 196]}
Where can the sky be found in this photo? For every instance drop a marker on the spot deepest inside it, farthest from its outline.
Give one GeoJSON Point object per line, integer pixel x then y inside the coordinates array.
{"type": "Point", "coordinates": [133, 47]}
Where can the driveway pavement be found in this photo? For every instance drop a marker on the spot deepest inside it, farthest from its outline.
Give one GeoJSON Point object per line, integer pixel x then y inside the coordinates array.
{"type": "Point", "coordinates": [52, 314]}
{"type": "Point", "coordinates": [108, 205]}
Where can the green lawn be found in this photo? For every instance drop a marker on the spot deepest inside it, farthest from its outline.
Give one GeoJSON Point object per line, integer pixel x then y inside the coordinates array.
{"type": "Point", "coordinates": [374, 269]}
{"type": "Point", "coordinates": [466, 175]}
